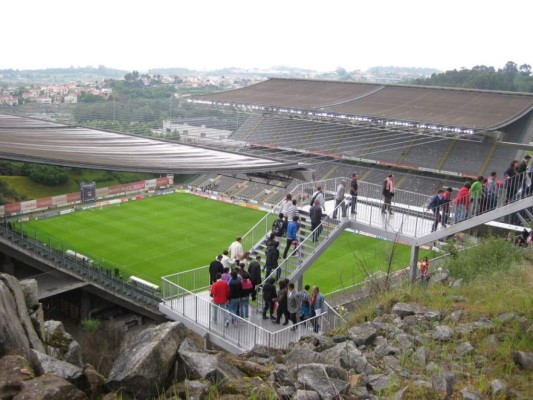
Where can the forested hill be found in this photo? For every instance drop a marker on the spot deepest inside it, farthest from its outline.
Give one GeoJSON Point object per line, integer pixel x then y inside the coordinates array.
{"type": "Point", "coordinates": [511, 77]}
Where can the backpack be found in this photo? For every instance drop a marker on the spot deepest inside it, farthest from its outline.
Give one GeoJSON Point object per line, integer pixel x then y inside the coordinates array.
{"type": "Point", "coordinates": [313, 199]}
{"type": "Point", "coordinates": [277, 227]}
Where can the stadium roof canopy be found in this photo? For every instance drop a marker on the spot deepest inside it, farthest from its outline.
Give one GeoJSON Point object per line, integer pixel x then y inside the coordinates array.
{"type": "Point", "coordinates": [33, 140]}
{"type": "Point", "coordinates": [463, 111]}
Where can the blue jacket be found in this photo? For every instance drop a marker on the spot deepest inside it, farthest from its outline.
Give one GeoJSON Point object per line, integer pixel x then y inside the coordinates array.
{"type": "Point", "coordinates": [292, 229]}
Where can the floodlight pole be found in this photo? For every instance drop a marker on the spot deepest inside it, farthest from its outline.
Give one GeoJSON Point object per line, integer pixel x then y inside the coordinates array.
{"type": "Point", "coordinates": [413, 264]}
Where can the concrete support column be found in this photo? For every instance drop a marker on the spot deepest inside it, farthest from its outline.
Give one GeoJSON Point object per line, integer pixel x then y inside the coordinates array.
{"type": "Point", "coordinates": [300, 283]}
{"type": "Point", "coordinates": [8, 266]}
{"type": "Point", "coordinates": [413, 263]}
{"type": "Point", "coordinates": [85, 305]}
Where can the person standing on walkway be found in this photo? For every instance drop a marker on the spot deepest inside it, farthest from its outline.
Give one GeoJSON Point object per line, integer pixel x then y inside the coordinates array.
{"type": "Point", "coordinates": [461, 203]}
{"type": "Point", "coordinates": [272, 259]}
{"type": "Point", "coordinates": [292, 234]}
{"type": "Point", "coordinates": [447, 195]}
{"type": "Point", "coordinates": [255, 275]}
{"type": "Point", "coordinates": [339, 199]}
{"type": "Point", "coordinates": [285, 204]}
{"type": "Point", "coordinates": [293, 304]}
{"type": "Point", "coordinates": [247, 287]}
{"type": "Point", "coordinates": [511, 182]}
{"type": "Point", "coordinates": [318, 195]}
{"type": "Point", "coordinates": [317, 307]}
{"type": "Point", "coordinates": [235, 289]}
{"type": "Point", "coordinates": [269, 294]}
{"type": "Point", "coordinates": [435, 206]}
{"type": "Point", "coordinates": [282, 303]}
{"type": "Point", "coordinates": [476, 196]}
{"type": "Point", "coordinates": [236, 251]}
{"type": "Point", "coordinates": [354, 190]}
{"type": "Point", "coordinates": [315, 215]}
{"type": "Point", "coordinates": [388, 194]}
{"type": "Point", "coordinates": [305, 303]}
{"type": "Point", "coordinates": [214, 268]}
{"type": "Point", "coordinates": [220, 295]}
{"type": "Point", "coordinates": [491, 190]}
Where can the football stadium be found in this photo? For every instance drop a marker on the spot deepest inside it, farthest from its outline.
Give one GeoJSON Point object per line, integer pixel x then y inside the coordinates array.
{"type": "Point", "coordinates": [149, 243]}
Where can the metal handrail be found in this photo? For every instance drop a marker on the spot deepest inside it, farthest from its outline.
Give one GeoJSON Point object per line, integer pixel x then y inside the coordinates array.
{"type": "Point", "coordinates": [82, 270]}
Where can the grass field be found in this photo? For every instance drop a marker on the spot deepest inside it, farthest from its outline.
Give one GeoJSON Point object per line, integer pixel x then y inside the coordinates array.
{"type": "Point", "coordinates": [162, 235]}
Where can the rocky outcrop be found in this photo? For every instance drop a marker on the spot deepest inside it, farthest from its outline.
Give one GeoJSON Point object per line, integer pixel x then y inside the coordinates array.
{"type": "Point", "coordinates": [19, 333]}
{"type": "Point", "coordinates": [59, 368]}
{"type": "Point", "coordinates": [145, 366]}
{"type": "Point", "coordinates": [49, 387]}
{"type": "Point", "coordinates": [60, 344]}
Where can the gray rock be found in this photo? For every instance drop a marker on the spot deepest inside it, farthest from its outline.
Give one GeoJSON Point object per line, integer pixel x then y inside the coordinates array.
{"type": "Point", "coordinates": [406, 342]}
{"type": "Point", "coordinates": [439, 277]}
{"type": "Point", "coordinates": [442, 333]}
{"type": "Point", "coordinates": [443, 383]}
{"type": "Point", "coordinates": [506, 317]}
{"type": "Point", "coordinates": [285, 392]}
{"type": "Point", "coordinates": [37, 319]}
{"type": "Point", "coordinates": [402, 310]}
{"type": "Point", "coordinates": [347, 356]}
{"type": "Point", "coordinates": [432, 367]}
{"type": "Point", "coordinates": [459, 299]}
{"type": "Point", "coordinates": [421, 355]}
{"type": "Point", "coordinates": [523, 359]}
{"type": "Point", "coordinates": [500, 389]}
{"type": "Point", "coordinates": [470, 393]}
{"type": "Point", "coordinates": [432, 316]}
{"type": "Point", "coordinates": [193, 390]}
{"type": "Point", "coordinates": [213, 367]}
{"type": "Point", "coordinates": [31, 293]}
{"type": "Point", "coordinates": [457, 283]}
{"type": "Point", "coordinates": [47, 387]}
{"type": "Point", "coordinates": [380, 382]}
{"type": "Point", "coordinates": [454, 316]}
{"type": "Point", "coordinates": [93, 383]}
{"type": "Point", "coordinates": [305, 356]}
{"type": "Point", "coordinates": [134, 370]}
{"type": "Point", "coordinates": [465, 349]}
{"type": "Point", "coordinates": [13, 371]}
{"type": "Point", "coordinates": [73, 354]}
{"type": "Point", "coordinates": [19, 333]}
{"type": "Point", "coordinates": [385, 349]}
{"type": "Point", "coordinates": [392, 364]}
{"type": "Point", "coordinates": [71, 373]}
{"type": "Point", "coordinates": [306, 395]}
{"type": "Point", "coordinates": [282, 376]}
{"type": "Point", "coordinates": [363, 334]}
{"type": "Point", "coordinates": [53, 329]}
{"type": "Point", "coordinates": [328, 381]}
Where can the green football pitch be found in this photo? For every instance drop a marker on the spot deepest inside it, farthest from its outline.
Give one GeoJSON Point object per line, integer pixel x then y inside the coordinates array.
{"type": "Point", "coordinates": [162, 235]}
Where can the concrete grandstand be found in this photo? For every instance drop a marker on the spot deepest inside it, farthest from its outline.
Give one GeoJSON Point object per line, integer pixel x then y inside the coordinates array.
{"type": "Point", "coordinates": [430, 137]}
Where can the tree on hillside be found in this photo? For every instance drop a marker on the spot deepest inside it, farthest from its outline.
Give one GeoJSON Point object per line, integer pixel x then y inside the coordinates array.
{"type": "Point", "coordinates": [509, 78]}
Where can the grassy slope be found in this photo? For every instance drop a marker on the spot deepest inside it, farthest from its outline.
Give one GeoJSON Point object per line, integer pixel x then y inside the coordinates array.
{"type": "Point", "coordinates": [167, 234]}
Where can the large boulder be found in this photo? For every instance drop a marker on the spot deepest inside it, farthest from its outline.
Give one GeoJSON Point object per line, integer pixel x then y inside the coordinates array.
{"type": "Point", "coordinates": [19, 333]}
{"type": "Point", "coordinates": [363, 334]}
{"type": "Point", "coordinates": [71, 373]}
{"type": "Point", "coordinates": [49, 387]}
{"type": "Point", "coordinates": [328, 381]}
{"type": "Point", "coordinates": [14, 370]}
{"type": "Point", "coordinates": [347, 356]}
{"type": "Point", "coordinates": [213, 367]}
{"type": "Point", "coordinates": [524, 359]}
{"type": "Point", "coordinates": [30, 291]}
{"type": "Point", "coordinates": [144, 367]}
{"type": "Point", "coordinates": [405, 309]}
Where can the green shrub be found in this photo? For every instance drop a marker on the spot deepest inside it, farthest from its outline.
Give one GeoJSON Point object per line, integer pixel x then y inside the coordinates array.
{"type": "Point", "coordinates": [90, 325]}
{"type": "Point", "coordinates": [491, 255]}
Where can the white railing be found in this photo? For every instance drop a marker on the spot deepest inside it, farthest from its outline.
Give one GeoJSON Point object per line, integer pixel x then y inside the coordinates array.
{"type": "Point", "coordinates": [244, 334]}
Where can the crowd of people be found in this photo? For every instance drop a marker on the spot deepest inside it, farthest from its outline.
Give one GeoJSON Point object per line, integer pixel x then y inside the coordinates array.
{"type": "Point", "coordinates": [236, 280]}
{"type": "Point", "coordinates": [483, 194]}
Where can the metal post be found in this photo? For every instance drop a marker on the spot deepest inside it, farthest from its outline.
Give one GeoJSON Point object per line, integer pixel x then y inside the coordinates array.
{"type": "Point", "coordinates": [413, 264]}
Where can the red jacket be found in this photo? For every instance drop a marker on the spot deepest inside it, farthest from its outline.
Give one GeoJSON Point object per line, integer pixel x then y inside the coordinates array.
{"type": "Point", "coordinates": [463, 197]}
{"type": "Point", "coordinates": [220, 292]}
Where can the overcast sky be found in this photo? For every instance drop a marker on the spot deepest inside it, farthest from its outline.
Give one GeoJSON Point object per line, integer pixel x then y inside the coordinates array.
{"type": "Point", "coordinates": [319, 35]}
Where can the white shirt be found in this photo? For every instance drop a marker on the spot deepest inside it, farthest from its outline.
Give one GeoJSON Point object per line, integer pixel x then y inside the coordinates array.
{"type": "Point", "coordinates": [236, 251]}
{"type": "Point", "coordinates": [320, 198]}
{"type": "Point", "coordinates": [226, 262]}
